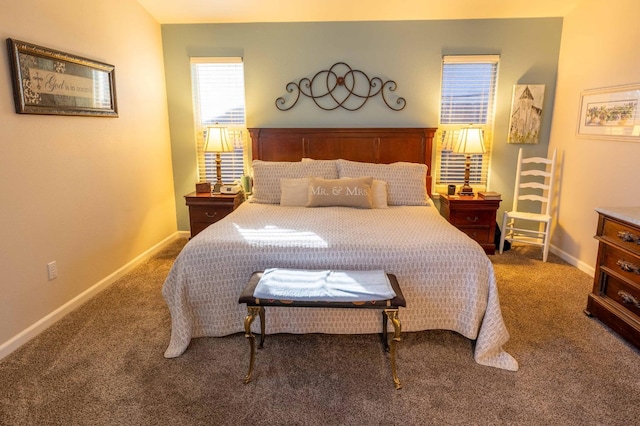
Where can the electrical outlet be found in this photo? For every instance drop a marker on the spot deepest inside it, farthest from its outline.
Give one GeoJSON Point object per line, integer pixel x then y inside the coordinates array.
{"type": "Point", "coordinates": [52, 269]}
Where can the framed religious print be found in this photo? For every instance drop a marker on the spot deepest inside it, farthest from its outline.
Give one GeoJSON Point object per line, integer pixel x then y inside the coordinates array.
{"type": "Point", "coordinates": [47, 81]}
{"type": "Point", "coordinates": [526, 113]}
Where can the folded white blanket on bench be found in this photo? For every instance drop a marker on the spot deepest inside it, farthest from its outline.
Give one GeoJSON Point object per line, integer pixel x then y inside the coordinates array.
{"type": "Point", "coordinates": [324, 286]}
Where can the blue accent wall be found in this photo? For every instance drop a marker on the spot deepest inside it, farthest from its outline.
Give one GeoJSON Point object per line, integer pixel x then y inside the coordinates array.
{"type": "Point", "coordinates": [408, 52]}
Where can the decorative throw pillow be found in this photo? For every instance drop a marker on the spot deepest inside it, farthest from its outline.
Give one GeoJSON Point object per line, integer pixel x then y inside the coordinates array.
{"type": "Point", "coordinates": [379, 194]}
{"type": "Point", "coordinates": [346, 192]}
{"type": "Point", "coordinates": [295, 192]}
{"type": "Point", "coordinates": [406, 182]}
{"type": "Point", "coordinates": [267, 175]}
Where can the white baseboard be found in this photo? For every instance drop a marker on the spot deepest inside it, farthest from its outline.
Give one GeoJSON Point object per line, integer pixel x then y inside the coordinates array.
{"type": "Point", "coordinates": [38, 327]}
{"type": "Point", "coordinates": [572, 260]}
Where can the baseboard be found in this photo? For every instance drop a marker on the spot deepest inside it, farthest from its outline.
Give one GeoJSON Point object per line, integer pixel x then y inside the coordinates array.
{"type": "Point", "coordinates": [29, 333]}
{"type": "Point", "coordinates": [572, 260]}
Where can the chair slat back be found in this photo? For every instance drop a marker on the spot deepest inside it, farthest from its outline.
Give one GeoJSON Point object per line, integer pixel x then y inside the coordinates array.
{"type": "Point", "coordinates": [540, 190]}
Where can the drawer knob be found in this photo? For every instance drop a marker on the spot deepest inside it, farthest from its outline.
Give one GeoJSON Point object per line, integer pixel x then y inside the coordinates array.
{"type": "Point", "coordinates": [627, 266]}
{"type": "Point", "coordinates": [628, 299]}
{"type": "Point", "coordinates": [474, 220]}
{"type": "Point", "coordinates": [628, 237]}
{"type": "Point", "coordinates": [207, 214]}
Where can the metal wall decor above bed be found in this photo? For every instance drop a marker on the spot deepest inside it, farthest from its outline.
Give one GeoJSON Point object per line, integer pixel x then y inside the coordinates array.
{"type": "Point", "coordinates": [342, 87]}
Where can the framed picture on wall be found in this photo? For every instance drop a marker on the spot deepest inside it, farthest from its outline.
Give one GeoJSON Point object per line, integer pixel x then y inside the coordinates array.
{"type": "Point", "coordinates": [47, 81]}
{"type": "Point", "coordinates": [610, 113]}
{"type": "Point", "coordinates": [526, 113]}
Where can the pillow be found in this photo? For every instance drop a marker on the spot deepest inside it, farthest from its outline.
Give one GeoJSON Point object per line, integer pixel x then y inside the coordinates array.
{"type": "Point", "coordinates": [406, 182]}
{"type": "Point", "coordinates": [379, 194]}
{"type": "Point", "coordinates": [312, 160]}
{"type": "Point", "coordinates": [295, 192]}
{"type": "Point", "coordinates": [346, 192]}
{"type": "Point", "coordinates": [267, 175]}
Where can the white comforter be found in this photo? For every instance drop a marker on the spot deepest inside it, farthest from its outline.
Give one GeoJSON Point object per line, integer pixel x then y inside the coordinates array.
{"type": "Point", "coordinates": [446, 278]}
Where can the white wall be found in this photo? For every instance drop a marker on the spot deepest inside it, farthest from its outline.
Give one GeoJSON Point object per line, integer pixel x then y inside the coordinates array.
{"type": "Point", "coordinates": [93, 194]}
{"type": "Point", "coordinates": [598, 49]}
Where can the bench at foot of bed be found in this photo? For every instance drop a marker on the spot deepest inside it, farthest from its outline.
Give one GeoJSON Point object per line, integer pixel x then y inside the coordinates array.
{"type": "Point", "coordinates": [389, 307]}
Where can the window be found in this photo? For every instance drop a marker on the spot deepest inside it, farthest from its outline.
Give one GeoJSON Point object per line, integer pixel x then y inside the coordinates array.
{"type": "Point", "coordinates": [467, 97]}
{"type": "Point", "coordinates": [218, 98]}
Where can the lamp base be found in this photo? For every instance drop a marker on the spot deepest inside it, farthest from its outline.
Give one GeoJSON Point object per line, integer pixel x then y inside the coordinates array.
{"type": "Point", "coordinates": [216, 188]}
{"type": "Point", "coordinates": [466, 190]}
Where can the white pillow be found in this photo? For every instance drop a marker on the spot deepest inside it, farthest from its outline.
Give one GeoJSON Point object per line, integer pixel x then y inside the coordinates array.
{"type": "Point", "coordinates": [295, 192]}
{"type": "Point", "coordinates": [406, 182]}
{"type": "Point", "coordinates": [267, 175]}
{"type": "Point", "coordinates": [379, 194]}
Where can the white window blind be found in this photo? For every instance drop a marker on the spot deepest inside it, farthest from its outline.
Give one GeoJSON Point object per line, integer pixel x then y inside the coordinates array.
{"type": "Point", "coordinates": [218, 98]}
{"type": "Point", "coordinates": [467, 97]}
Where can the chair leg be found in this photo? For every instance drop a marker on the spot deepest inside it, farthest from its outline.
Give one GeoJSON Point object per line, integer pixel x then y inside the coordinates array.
{"type": "Point", "coordinates": [504, 231]}
{"type": "Point", "coordinates": [545, 247]}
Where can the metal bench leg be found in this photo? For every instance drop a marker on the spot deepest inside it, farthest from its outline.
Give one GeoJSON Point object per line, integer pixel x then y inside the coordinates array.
{"type": "Point", "coordinates": [252, 312]}
{"type": "Point", "coordinates": [262, 327]}
{"type": "Point", "coordinates": [392, 314]}
{"type": "Point", "coordinates": [385, 340]}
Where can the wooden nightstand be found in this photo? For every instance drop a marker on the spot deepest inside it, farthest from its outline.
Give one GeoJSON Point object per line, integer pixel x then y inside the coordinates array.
{"type": "Point", "coordinates": [205, 209]}
{"type": "Point", "coordinates": [474, 216]}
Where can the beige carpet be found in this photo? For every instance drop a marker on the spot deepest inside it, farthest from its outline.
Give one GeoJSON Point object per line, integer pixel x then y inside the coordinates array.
{"type": "Point", "coordinates": [103, 365]}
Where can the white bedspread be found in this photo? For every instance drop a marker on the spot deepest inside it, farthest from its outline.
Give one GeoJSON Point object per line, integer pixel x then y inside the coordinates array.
{"type": "Point", "coordinates": [446, 278]}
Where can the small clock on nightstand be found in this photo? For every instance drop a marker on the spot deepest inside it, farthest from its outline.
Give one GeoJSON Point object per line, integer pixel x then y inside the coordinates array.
{"type": "Point", "coordinates": [473, 215]}
{"type": "Point", "coordinates": [207, 208]}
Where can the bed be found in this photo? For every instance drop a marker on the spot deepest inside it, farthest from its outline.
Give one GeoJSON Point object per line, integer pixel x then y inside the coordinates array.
{"type": "Point", "coordinates": [292, 222]}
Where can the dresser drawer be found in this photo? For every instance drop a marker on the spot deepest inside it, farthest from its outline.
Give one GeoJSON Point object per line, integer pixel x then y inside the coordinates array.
{"type": "Point", "coordinates": [209, 214]}
{"type": "Point", "coordinates": [621, 263]}
{"type": "Point", "coordinates": [621, 235]}
{"type": "Point", "coordinates": [197, 227]}
{"type": "Point", "coordinates": [461, 218]}
{"type": "Point", "coordinates": [621, 292]}
{"type": "Point", "coordinates": [481, 234]}
{"type": "Point", "coordinates": [615, 297]}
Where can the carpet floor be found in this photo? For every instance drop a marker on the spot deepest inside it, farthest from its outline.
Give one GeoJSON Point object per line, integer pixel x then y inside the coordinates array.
{"type": "Point", "coordinates": [103, 364]}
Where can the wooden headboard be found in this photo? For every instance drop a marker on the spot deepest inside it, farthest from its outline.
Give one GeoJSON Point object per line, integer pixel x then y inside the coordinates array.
{"type": "Point", "coordinates": [369, 145]}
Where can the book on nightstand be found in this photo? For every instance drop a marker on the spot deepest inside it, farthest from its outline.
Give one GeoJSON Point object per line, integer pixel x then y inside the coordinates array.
{"type": "Point", "coordinates": [489, 195]}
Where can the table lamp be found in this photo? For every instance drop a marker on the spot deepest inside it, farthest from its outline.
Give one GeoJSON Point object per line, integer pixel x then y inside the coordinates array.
{"type": "Point", "coordinates": [217, 141]}
{"type": "Point", "coordinates": [470, 141]}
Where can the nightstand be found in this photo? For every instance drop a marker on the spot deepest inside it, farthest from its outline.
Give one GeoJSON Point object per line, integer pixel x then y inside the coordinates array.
{"type": "Point", "coordinates": [206, 208]}
{"type": "Point", "coordinates": [474, 216]}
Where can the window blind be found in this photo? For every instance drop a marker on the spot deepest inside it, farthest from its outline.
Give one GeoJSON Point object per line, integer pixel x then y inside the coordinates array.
{"type": "Point", "coordinates": [218, 98]}
{"type": "Point", "coordinates": [468, 95]}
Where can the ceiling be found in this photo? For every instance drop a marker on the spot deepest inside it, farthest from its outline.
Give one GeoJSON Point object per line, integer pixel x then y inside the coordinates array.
{"type": "Point", "coordinates": [227, 11]}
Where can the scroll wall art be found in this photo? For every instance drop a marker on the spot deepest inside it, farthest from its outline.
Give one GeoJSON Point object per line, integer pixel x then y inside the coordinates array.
{"type": "Point", "coordinates": [47, 81]}
{"type": "Point", "coordinates": [341, 87]}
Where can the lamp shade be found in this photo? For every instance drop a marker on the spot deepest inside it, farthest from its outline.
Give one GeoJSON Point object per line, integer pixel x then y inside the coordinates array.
{"type": "Point", "coordinates": [470, 141]}
{"type": "Point", "coordinates": [217, 140]}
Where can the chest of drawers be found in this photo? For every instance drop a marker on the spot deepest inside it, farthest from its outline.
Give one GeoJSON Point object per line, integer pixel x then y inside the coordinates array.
{"type": "Point", "coordinates": [615, 297]}
{"type": "Point", "coordinates": [474, 216]}
{"type": "Point", "coordinates": [205, 209]}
